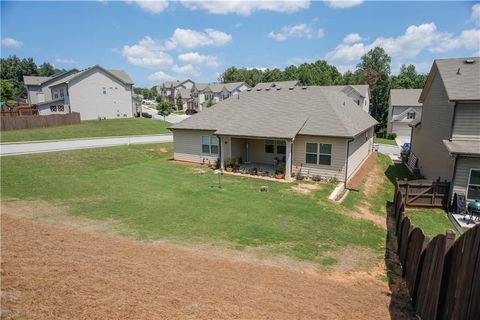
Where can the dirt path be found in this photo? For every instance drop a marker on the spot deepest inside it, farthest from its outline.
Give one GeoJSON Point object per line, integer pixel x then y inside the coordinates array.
{"type": "Point", "coordinates": [59, 272]}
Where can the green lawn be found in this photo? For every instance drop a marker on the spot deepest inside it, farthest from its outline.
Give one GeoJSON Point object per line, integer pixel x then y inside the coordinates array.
{"type": "Point", "coordinates": [432, 221]}
{"type": "Point", "coordinates": [156, 198]}
{"type": "Point", "coordinates": [88, 129]}
{"type": "Point", "coordinates": [385, 141]}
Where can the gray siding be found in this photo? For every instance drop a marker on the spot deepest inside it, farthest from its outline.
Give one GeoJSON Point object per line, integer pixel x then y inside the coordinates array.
{"type": "Point", "coordinates": [433, 158]}
{"type": "Point", "coordinates": [467, 122]}
{"type": "Point", "coordinates": [358, 151]}
{"type": "Point", "coordinates": [462, 173]}
{"type": "Point", "coordinates": [87, 98]}
{"type": "Point", "coordinates": [337, 167]}
{"type": "Point", "coordinates": [187, 146]}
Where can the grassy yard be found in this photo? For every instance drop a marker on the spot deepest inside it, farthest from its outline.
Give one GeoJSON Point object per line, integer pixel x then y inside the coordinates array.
{"type": "Point", "coordinates": [88, 129]}
{"type": "Point", "coordinates": [385, 141]}
{"type": "Point", "coordinates": [432, 221]}
{"type": "Point", "coordinates": [155, 198]}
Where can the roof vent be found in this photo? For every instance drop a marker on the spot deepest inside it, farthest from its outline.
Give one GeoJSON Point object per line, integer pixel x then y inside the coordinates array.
{"type": "Point", "coordinates": [259, 89]}
{"type": "Point", "coordinates": [278, 88]}
{"type": "Point", "coordinates": [469, 61]}
{"type": "Point", "coordinates": [267, 89]}
{"type": "Point", "coordinates": [291, 88]}
{"type": "Point", "coordinates": [304, 87]}
{"type": "Point", "coordinates": [249, 89]}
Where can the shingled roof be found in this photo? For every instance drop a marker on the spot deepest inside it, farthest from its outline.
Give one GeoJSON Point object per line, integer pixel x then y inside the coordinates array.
{"type": "Point", "coordinates": [460, 76]}
{"type": "Point", "coordinates": [315, 110]}
{"type": "Point", "coordinates": [405, 97]}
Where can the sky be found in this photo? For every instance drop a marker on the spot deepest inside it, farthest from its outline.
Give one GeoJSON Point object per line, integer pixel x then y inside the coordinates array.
{"type": "Point", "coordinates": [155, 41]}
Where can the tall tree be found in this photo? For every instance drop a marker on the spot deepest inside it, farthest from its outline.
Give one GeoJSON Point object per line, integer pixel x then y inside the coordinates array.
{"type": "Point", "coordinates": [375, 68]}
{"type": "Point", "coordinates": [47, 70]}
{"type": "Point", "coordinates": [408, 78]}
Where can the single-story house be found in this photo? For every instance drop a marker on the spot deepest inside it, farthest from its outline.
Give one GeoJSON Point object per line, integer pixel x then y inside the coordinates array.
{"type": "Point", "coordinates": [404, 108]}
{"type": "Point", "coordinates": [316, 131]}
{"type": "Point", "coordinates": [446, 140]}
{"type": "Point", "coordinates": [94, 92]}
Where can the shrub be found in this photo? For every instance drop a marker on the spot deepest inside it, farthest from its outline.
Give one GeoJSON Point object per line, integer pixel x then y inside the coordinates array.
{"type": "Point", "coordinates": [316, 178]}
{"type": "Point", "coordinates": [280, 167]}
{"type": "Point", "coordinates": [391, 136]}
{"type": "Point", "coordinates": [300, 177]}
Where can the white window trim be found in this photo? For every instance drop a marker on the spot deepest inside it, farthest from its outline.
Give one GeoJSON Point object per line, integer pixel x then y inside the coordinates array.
{"type": "Point", "coordinates": [319, 153]}
{"type": "Point", "coordinates": [468, 183]}
{"type": "Point", "coordinates": [209, 145]}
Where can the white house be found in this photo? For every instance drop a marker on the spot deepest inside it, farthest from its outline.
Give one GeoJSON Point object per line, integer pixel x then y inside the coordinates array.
{"type": "Point", "coordinates": [404, 108]}
{"type": "Point", "coordinates": [94, 92]}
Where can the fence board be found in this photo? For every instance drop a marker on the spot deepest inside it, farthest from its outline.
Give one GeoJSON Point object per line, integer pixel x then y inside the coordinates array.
{"type": "Point", "coordinates": [35, 121]}
{"type": "Point", "coordinates": [403, 239]}
{"type": "Point", "coordinates": [417, 243]}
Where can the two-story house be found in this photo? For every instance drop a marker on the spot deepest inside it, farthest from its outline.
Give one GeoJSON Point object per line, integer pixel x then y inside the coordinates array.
{"type": "Point", "coordinates": [446, 140]}
{"type": "Point", "coordinates": [404, 108]}
{"type": "Point", "coordinates": [169, 89]}
{"type": "Point", "coordinates": [205, 93]}
{"type": "Point", "coordinates": [94, 92]}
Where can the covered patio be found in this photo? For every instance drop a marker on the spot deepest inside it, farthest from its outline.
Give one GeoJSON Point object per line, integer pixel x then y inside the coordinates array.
{"type": "Point", "coordinates": [264, 155]}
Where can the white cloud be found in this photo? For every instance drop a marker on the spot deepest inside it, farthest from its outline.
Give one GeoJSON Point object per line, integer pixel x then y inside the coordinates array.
{"type": "Point", "coordinates": [152, 6]}
{"type": "Point", "coordinates": [475, 18]}
{"type": "Point", "coordinates": [296, 31]}
{"type": "Point", "coordinates": [352, 38]}
{"type": "Point", "coordinates": [246, 8]}
{"type": "Point", "coordinates": [147, 53]}
{"type": "Point", "coordinates": [343, 3]}
{"type": "Point", "coordinates": [64, 61]}
{"type": "Point", "coordinates": [196, 58]}
{"type": "Point", "coordinates": [410, 44]}
{"type": "Point", "coordinates": [189, 39]}
{"type": "Point", "coordinates": [12, 43]}
{"type": "Point", "coordinates": [186, 69]}
{"type": "Point", "coordinates": [159, 76]}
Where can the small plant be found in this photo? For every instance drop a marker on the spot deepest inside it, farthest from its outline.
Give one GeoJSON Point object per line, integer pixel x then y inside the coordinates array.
{"type": "Point", "coordinates": [300, 177]}
{"type": "Point", "coordinates": [217, 164]}
{"type": "Point", "coordinates": [391, 136]}
{"type": "Point", "coordinates": [280, 168]}
{"type": "Point", "coordinates": [333, 180]}
{"type": "Point", "coordinates": [316, 178]}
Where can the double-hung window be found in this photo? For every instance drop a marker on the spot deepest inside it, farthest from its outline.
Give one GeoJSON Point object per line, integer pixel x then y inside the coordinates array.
{"type": "Point", "coordinates": [269, 146]}
{"type": "Point", "coordinates": [281, 147]}
{"type": "Point", "coordinates": [61, 93]}
{"type": "Point", "coordinates": [410, 115]}
{"type": "Point", "coordinates": [210, 144]}
{"type": "Point", "coordinates": [318, 153]}
{"type": "Point", "coordinates": [473, 190]}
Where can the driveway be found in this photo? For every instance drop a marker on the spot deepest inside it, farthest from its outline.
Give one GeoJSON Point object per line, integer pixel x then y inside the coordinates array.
{"type": "Point", "coordinates": [172, 118]}
{"type": "Point", "coordinates": [62, 145]}
{"type": "Point", "coordinates": [392, 151]}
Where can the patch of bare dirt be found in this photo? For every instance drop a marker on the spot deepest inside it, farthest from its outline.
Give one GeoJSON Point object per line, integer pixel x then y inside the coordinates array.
{"type": "Point", "coordinates": [305, 188]}
{"type": "Point", "coordinates": [199, 171]}
{"type": "Point", "coordinates": [356, 259]}
{"type": "Point", "coordinates": [57, 272]}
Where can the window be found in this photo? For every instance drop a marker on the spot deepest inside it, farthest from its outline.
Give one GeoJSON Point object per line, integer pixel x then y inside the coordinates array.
{"type": "Point", "coordinates": [318, 153]}
{"type": "Point", "coordinates": [104, 90]}
{"type": "Point", "coordinates": [55, 94]}
{"type": "Point", "coordinates": [210, 144]}
{"type": "Point", "coordinates": [269, 146]}
{"type": "Point", "coordinates": [53, 108]}
{"type": "Point", "coordinates": [411, 115]}
{"type": "Point", "coordinates": [311, 153]}
{"type": "Point", "coordinates": [473, 190]}
{"type": "Point", "coordinates": [60, 108]}
{"type": "Point", "coordinates": [281, 147]}
{"type": "Point", "coordinates": [61, 93]}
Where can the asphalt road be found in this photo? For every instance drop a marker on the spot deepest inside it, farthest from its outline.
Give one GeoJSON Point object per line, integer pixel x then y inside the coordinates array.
{"type": "Point", "coordinates": [62, 145]}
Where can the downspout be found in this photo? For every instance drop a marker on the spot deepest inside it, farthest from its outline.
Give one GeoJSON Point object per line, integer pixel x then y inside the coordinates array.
{"type": "Point", "coordinates": [453, 121]}
{"type": "Point", "coordinates": [450, 192]}
{"type": "Point", "coordinates": [346, 162]}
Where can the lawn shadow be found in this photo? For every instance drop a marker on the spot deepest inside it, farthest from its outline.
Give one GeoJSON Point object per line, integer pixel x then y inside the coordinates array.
{"type": "Point", "coordinates": [400, 302]}
{"type": "Point", "coordinates": [398, 171]}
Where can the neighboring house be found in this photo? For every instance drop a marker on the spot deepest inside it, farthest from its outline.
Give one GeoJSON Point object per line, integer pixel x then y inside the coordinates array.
{"type": "Point", "coordinates": [276, 84]}
{"type": "Point", "coordinates": [94, 92]}
{"type": "Point", "coordinates": [314, 130]}
{"type": "Point", "coordinates": [169, 89]}
{"type": "Point", "coordinates": [446, 140]}
{"type": "Point", "coordinates": [215, 92]}
{"type": "Point", "coordinates": [404, 108]}
{"type": "Point", "coordinates": [186, 97]}
{"type": "Point", "coordinates": [137, 102]}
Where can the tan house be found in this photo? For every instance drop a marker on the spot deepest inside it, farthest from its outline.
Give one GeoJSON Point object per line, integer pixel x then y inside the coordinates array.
{"type": "Point", "coordinates": [404, 108]}
{"type": "Point", "coordinates": [169, 89]}
{"type": "Point", "coordinates": [315, 131]}
{"type": "Point", "coordinates": [446, 140]}
{"type": "Point", "coordinates": [204, 93]}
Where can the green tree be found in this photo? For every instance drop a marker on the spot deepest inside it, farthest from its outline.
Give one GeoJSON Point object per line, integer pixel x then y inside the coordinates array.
{"type": "Point", "coordinates": [375, 69]}
{"type": "Point", "coordinates": [210, 103]}
{"type": "Point", "coordinates": [47, 70]}
{"type": "Point", "coordinates": [164, 107]}
{"type": "Point", "coordinates": [179, 102]}
{"type": "Point", "coordinates": [408, 78]}
{"type": "Point", "coordinates": [7, 90]}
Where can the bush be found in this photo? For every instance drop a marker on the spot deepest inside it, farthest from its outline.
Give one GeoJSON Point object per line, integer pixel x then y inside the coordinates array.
{"type": "Point", "coordinates": [316, 178]}
{"type": "Point", "coordinates": [300, 176]}
{"type": "Point", "coordinates": [391, 136]}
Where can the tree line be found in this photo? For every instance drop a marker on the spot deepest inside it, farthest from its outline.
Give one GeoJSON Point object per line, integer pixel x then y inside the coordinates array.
{"type": "Point", "coordinates": [374, 69]}
{"type": "Point", "coordinates": [12, 70]}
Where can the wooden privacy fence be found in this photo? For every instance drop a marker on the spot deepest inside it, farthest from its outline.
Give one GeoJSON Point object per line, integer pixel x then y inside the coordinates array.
{"type": "Point", "coordinates": [424, 193]}
{"type": "Point", "coordinates": [442, 275]}
{"type": "Point", "coordinates": [28, 122]}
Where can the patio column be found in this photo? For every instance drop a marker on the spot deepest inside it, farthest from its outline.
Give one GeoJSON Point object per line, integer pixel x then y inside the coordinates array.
{"type": "Point", "coordinates": [222, 152]}
{"type": "Point", "coordinates": [288, 161]}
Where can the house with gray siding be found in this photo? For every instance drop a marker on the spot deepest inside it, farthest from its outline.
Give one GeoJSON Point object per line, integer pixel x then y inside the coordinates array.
{"type": "Point", "coordinates": [93, 92]}
{"type": "Point", "coordinates": [404, 108]}
{"type": "Point", "coordinates": [170, 90]}
{"type": "Point", "coordinates": [446, 140]}
{"type": "Point", "coordinates": [315, 131]}
{"type": "Point", "coordinates": [204, 93]}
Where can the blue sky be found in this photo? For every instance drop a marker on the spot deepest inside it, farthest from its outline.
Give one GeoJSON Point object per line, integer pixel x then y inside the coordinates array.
{"type": "Point", "coordinates": [159, 40]}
